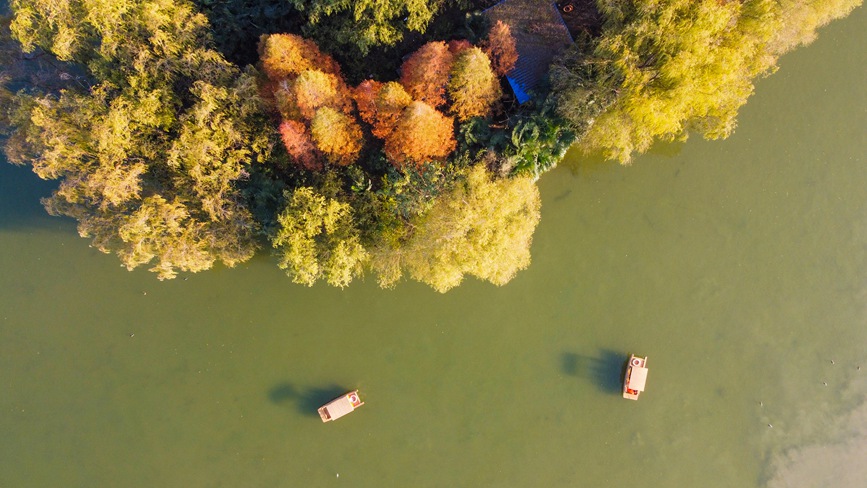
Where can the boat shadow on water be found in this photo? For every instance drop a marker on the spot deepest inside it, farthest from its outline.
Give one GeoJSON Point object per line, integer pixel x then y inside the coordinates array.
{"type": "Point", "coordinates": [306, 400]}
{"type": "Point", "coordinates": [604, 370]}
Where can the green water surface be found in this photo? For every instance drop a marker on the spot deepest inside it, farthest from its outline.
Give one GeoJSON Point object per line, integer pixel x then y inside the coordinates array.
{"type": "Point", "coordinates": [738, 267]}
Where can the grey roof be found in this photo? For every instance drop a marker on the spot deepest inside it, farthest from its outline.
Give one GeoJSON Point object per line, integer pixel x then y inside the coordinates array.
{"type": "Point", "coordinates": [540, 34]}
{"type": "Point", "coordinates": [339, 407]}
{"type": "Point", "coordinates": [637, 378]}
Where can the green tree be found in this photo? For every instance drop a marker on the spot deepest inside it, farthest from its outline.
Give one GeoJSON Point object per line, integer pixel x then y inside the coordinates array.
{"type": "Point", "coordinates": [661, 70]}
{"type": "Point", "coordinates": [482, 227]}
{"type": "Point", "coordinates": [149, 157]}
{"type": "Point", "coordinates": [537, 144]}
{"type": "Point", "coordinates": [317, 239]}
{"type": "Point", "coordinates": [369, 23]}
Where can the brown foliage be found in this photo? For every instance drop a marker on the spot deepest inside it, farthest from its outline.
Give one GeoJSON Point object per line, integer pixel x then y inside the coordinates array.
{"type": "Point", "coordinates": [458, 45]}
{"type": "Point", "coordinates": [420, 134]}
{"type": "Point", "coordinates": [285, 101]}
{"type": "Point", "coordinates": [365, 99]}
{"type": "Point", "coordinates": [381, 104]}
{"type": "Point", "coordinates": [299, 146]}
{"type": "Point", "coordinates": [337, 135]}
{"type": "Point", "coordinates": [288, 55]}
{"type": "Point", "coordinates": [500, 48]}
{"type": "Point", "coordinates": [425, 73]}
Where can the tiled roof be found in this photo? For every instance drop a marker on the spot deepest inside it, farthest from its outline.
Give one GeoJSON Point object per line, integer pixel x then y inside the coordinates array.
{"type": "Point", "coordinates": [540, 34]}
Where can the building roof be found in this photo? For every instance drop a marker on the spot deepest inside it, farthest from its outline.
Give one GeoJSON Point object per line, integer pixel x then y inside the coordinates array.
{"type": "Point", "coordinates": [540, 34]}
{"type": "Point", "coordinates": [637, 378]}
{"type": "Point", "coordinates": [339, 407]}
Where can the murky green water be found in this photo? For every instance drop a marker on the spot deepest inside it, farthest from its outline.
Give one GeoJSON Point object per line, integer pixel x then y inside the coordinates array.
{"type": "Point", "coordinates": [738, 267]}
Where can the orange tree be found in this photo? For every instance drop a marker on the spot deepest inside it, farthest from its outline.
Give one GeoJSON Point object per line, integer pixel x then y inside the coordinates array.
{"type": "Point", "coordinates": [425, 73]}
{"type": "Point", "coordinates": [421, 133]}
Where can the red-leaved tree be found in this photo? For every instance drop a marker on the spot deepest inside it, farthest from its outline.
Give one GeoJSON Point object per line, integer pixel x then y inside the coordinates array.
{"type": "Point", "coordinates": [300, 147]}
{"type": "Point", "coordinates": [313, 101]}
{"type": "Point", "coordinates": [500, 48]}
{"type": "Point", "coordinates": [381, 104]}
{"type": "Point", "coordinates": [365, 99]}
{"type": "Point", "coordinates": [458, 45]}
{"type": "Point", "coordinates": [425, 73]}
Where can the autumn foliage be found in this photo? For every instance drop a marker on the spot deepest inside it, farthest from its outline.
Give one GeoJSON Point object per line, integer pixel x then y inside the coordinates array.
{"type": "Point", "coordinates": [421, 133]}
{"type": "Point", "coordinates": [381, 104]}
{"type": "Point", "coordinates": [500, 48]}
{"type": "Point", "coordinates": [337, 135]}
{"type": "Point", "coordinates": [314, 89]}
{"type": "Point", "coordinates": [298, 143]}
{"type": "Point", "coordinates": [425, 73]}
{"type": "Point", "coordinates": [457, 46]}
{"type": "Point", "coordinates": [473, 87]}
{"type": "Point", "coordinates": [313, 101]}
{"type": "Point", "coordinates": [288, 55]}
{"type": "Point", "coordinates": [316, 105]}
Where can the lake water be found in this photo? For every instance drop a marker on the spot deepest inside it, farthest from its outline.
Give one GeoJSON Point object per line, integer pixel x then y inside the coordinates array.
{"type": "Point", "coordinates": [739, 267]}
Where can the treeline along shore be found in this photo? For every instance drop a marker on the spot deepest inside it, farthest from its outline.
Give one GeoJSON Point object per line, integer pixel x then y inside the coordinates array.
{"type": "Point", "coordinates": [384, 137]}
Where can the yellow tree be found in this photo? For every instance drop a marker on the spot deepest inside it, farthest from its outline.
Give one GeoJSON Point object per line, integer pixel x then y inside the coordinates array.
{"type": "Point", "coordinates": [336, 135]}
{"type": "Point", "coordinates": [473, 87]}
{"type": "Point", "coordinates": [799, 20]}
{"type": "Point", "coordinates": [287, 55]}
{"type": "Point", "coordinates": [317, 239]}
{"type": "Point", "coordinates": [149, 156]}
{"type": "Point", "coordinates": [483, 227]}
{"type": "Point", "coordinates": [663, 69]}
{"type": "Point", "coordinates": [314, 89]}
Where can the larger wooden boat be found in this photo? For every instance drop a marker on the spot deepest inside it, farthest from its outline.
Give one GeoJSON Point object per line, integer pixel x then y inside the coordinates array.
{"type": "Point", "coordinates": [340, 406]}
{"type": "Point", "coordinates": [635, 377]}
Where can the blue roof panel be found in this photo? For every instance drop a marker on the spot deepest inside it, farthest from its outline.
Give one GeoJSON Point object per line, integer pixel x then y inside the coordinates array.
{"type": "Point", "coordinates": [520, 94]}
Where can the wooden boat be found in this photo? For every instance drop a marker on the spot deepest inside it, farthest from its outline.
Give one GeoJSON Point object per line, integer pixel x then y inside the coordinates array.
{"type": "Point", "coordinates": [635, 377]}
{"type": "Point", "coordinates": [340, 406]}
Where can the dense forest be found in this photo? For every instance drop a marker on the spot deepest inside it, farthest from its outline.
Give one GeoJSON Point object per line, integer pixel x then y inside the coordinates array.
{"type": "Point", "coordinates": [372, 137]}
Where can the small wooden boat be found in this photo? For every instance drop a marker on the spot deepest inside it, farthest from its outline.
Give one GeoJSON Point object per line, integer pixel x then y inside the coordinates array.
{"type": "Point", "coordinates": [340, 406]}
{"type": "Point", "coordinates": [635, 377]}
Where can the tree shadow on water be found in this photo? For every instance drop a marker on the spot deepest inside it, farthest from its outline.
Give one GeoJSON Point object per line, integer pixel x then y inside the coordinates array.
{"type": "Point", "coordinates": [306, 400]}
{"type": "Point", "coordinates": [605, 370]}
{"type": "Point", "coordinates": [20, 191]}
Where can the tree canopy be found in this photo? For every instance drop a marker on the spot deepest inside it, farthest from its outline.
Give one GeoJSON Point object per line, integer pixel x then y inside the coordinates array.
{"type": "Point", "coordinates": [483, 227]}
{"type": "Point", "coordinates": [317, 239]}
{"type": "Point", "coordinates": [149, 155]}
{"type": "Point", "coordinates": [667, 68]}
{"type": "Point", "coordinates": [169, 155]}
{"type": "Point", "coordinates": [368, 23]}
{"type": "Point", "coordinates": [473, 86]}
